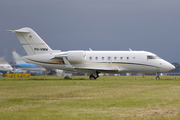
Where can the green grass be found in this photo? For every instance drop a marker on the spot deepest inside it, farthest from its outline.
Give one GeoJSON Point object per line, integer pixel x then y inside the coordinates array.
{"type": "Point", "coordinates": [109, 97]}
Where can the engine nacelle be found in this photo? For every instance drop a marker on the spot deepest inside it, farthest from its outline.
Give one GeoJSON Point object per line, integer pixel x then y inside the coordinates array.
{"type": "Point", "coordinates": [76, 56]}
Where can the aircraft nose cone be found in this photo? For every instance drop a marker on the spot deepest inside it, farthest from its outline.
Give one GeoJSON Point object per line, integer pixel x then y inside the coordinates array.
{"type": "Point", "coordinates": [171, 67]}
{"type": "Point", "coordinates": [167, 66]}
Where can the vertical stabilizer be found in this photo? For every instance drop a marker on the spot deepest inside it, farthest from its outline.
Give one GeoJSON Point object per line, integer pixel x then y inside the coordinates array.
{"type": "Point", "coordinates": [17, 58]}
{"type": "Point", "coordinates": [31, 42]}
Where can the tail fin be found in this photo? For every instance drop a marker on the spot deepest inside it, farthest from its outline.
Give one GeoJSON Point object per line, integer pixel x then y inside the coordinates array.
{"type": "Point", "coordinates": [31, 42]}
{"type": "Point", "coordinates": [17, 58]}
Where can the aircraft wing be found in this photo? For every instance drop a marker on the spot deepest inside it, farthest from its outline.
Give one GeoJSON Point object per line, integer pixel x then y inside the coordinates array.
{"type": "Point", "coordinates": [101, 70]}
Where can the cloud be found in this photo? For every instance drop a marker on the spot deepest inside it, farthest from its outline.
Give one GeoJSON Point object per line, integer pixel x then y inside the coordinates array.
{"type": "Point", "coordinates": [102, 25]}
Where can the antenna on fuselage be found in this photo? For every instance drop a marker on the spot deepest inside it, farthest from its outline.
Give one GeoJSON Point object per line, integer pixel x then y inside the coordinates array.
{"type": "Point", "coordinates": [90, 49]}
{"type": "Point", "coordinates": [130, 49]}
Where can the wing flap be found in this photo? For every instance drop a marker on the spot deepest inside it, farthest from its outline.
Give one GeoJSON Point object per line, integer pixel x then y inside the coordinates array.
{"type": "Point", "coordinates": [102, 70]}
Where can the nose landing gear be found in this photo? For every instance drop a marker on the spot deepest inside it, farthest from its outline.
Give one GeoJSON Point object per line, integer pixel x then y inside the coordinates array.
{"type": "Point", "coordinates": [157, 77]}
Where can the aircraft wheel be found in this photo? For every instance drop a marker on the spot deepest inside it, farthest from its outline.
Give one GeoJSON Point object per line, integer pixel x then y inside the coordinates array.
{"type": "Point", "coordinates": [92, 77]}
{"type": "Point", "coordinates": [157, 78]}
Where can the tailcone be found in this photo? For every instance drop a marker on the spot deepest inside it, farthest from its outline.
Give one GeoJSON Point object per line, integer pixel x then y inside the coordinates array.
{"type": "Point", "coordinates": [24, 58]}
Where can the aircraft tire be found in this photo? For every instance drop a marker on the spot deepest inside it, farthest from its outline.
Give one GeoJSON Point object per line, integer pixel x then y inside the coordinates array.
{"type": "Point", "coordinates": [92, 77]}
{"type": "Point", "coordinates": [157, 78]}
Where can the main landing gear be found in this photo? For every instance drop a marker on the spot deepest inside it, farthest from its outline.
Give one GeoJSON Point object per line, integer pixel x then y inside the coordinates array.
{"type": "Point", "coordinates": [94, 76]}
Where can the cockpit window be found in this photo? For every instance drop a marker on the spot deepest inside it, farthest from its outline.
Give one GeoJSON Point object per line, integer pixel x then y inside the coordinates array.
{"type": "Point", "coordinates": [150, 57]}
{"type": "Point", "coordinates": [153, 57]}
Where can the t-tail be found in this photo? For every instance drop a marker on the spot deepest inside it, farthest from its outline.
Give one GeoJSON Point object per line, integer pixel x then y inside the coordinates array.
{"type": "Point", "coordinates": [31, 41]}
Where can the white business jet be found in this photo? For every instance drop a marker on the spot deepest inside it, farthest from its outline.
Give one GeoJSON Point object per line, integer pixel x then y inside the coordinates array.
{"type": "Point", "coordinates": [91, 62]}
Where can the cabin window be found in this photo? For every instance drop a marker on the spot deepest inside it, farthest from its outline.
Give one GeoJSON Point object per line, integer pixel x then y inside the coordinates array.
{"type": "Point", "coordinates": [121, 58]}
{"type": "Point", "coordinates": [109, 58]}
{"type": "Point", "coordinates": [90, 58]}
{"type": "Point", "coordinates": [96, 58]}
{"type": "Point", "coordinates": [115, 58]}
{"type": "Point", "coordinates": [134, 58]}
{"type": "Point", "coordinates": [102, 58]}
{"type": "Point", "coordinates": [127, 58]}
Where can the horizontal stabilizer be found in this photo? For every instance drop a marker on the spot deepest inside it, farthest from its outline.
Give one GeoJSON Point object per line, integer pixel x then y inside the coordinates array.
{"type": "Point", "coordinates": [22, 30]}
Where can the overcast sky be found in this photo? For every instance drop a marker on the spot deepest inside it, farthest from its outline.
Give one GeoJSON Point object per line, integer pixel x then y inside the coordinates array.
{"type": "Point", "coordinates": [150, 25]}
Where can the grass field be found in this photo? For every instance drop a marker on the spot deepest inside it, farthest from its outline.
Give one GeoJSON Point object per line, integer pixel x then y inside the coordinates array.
{"type": "Point", "coordinates": [109, 97]}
